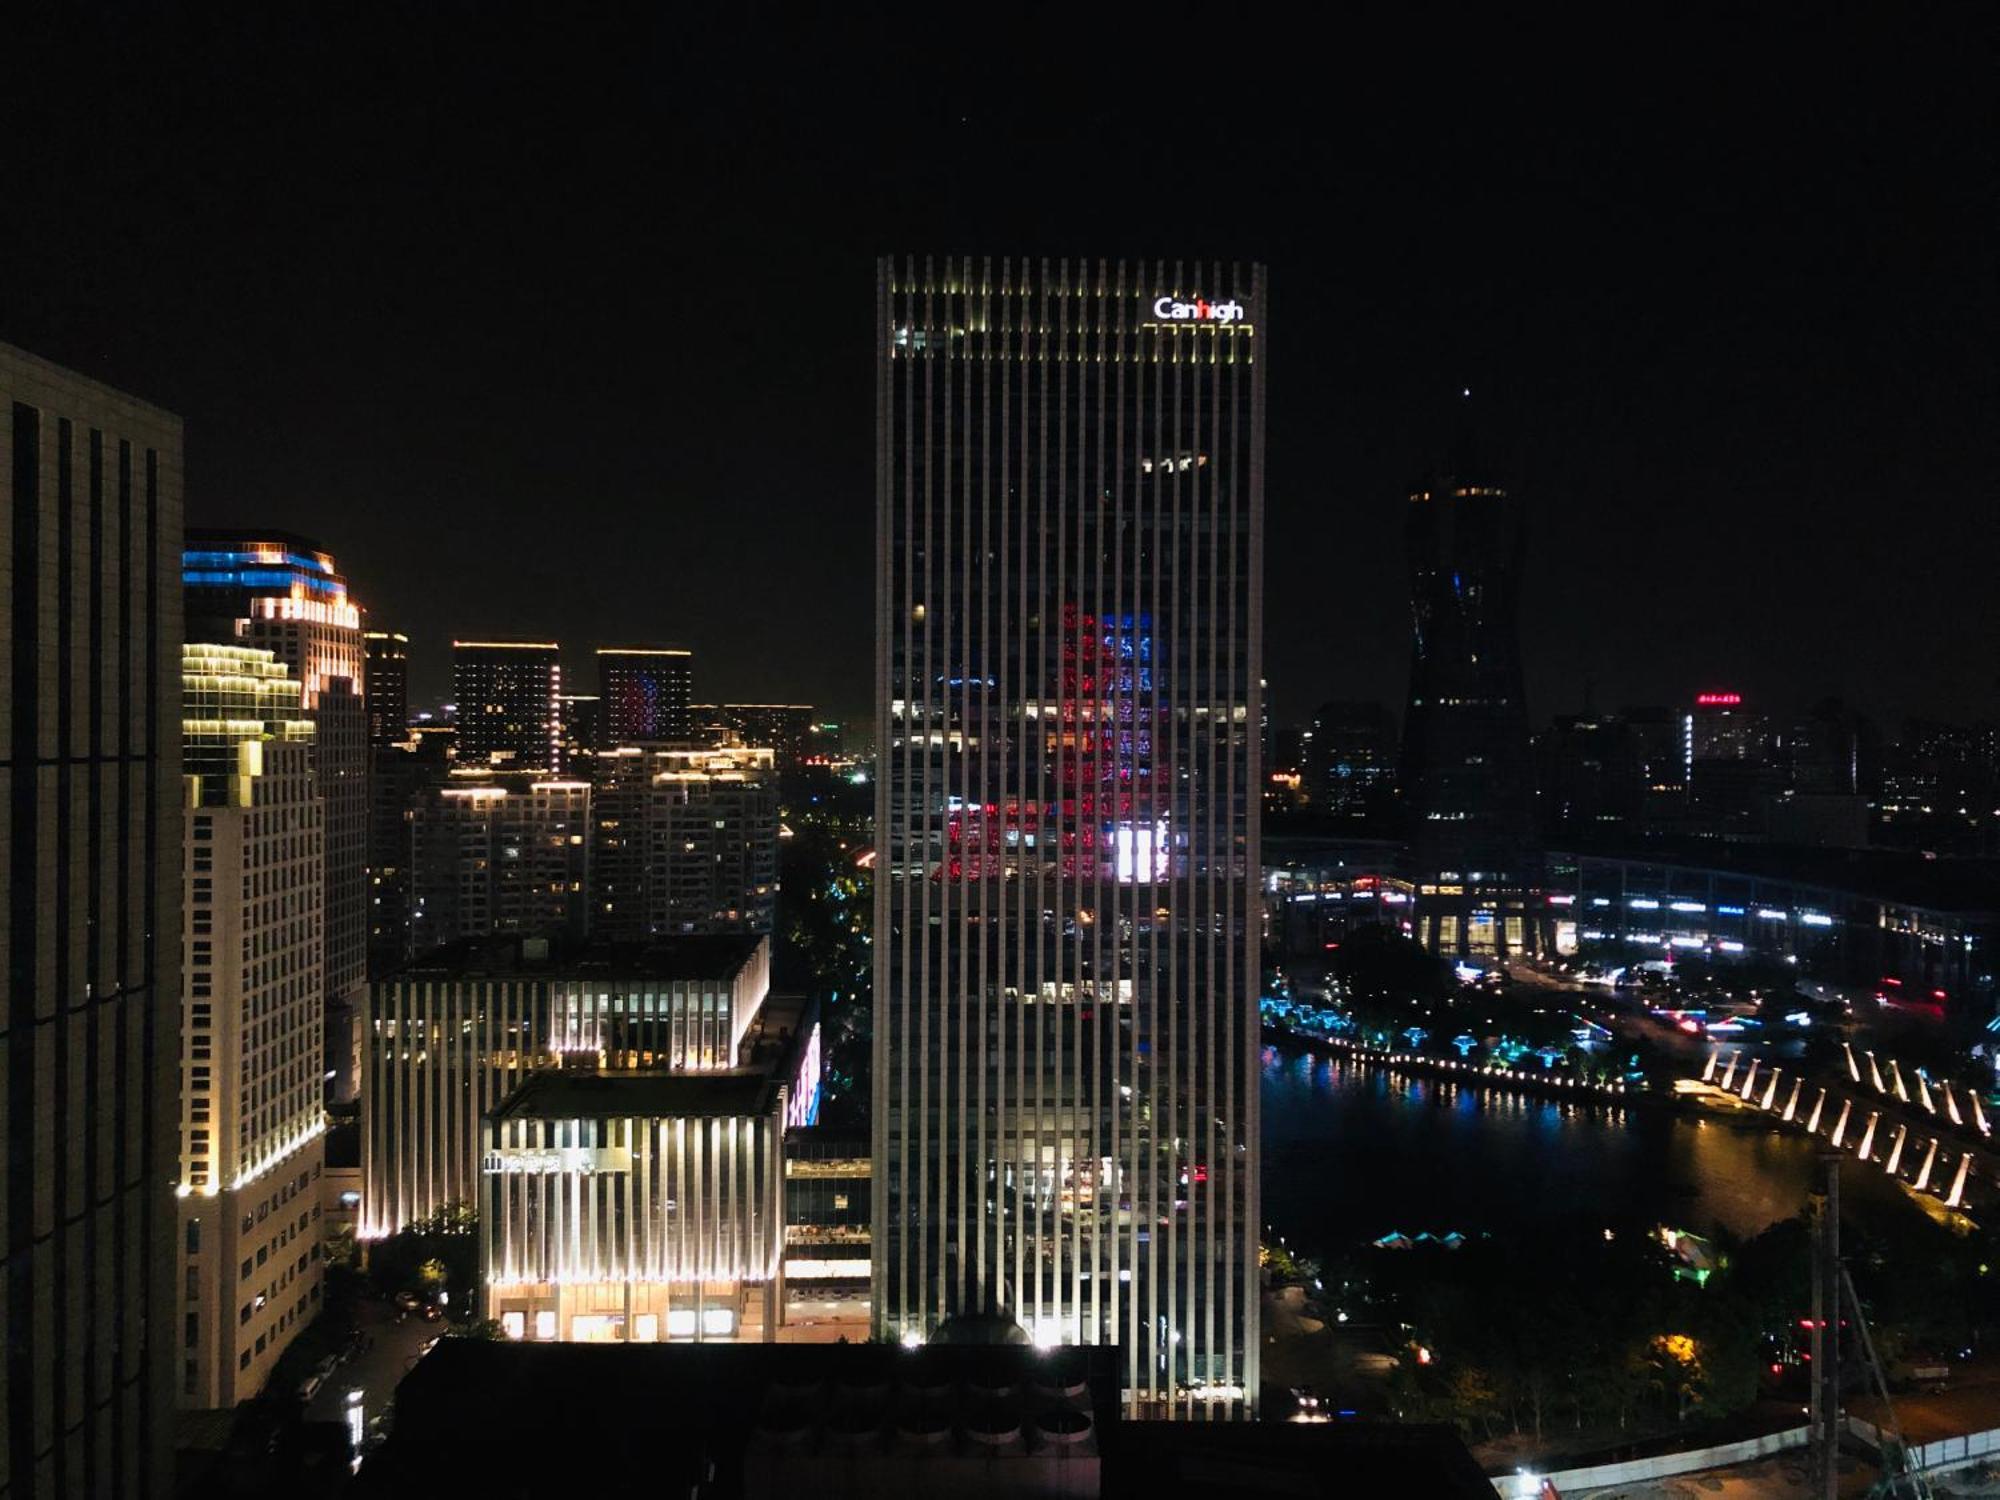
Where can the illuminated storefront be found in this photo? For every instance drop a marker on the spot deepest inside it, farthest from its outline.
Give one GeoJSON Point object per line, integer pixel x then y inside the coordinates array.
{"type": "Point", "coordinates": [635, 1207]}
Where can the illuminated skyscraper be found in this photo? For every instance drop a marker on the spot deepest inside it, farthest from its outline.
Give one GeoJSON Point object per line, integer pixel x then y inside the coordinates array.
{"type": "Point", "coordinates": [1069, 508]}
{"type": "Point", "coordinates": [1467, 777]}
{"type": "Point", "coordinates": [281, 592]}
{"type": "Point", "coordinates": [508, 693]}
{"type": "Point", "coordinates": [252, 1126]}
{"type": "Point", "coordinates": [90, 927]}
{"type": "Point", "coordinates": [647, 693]}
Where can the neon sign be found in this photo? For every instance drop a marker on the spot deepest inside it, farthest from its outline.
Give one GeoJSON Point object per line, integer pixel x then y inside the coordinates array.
{"type": "Point", "coordinates": [1172, 310]}
{"type": "Point", "coordinates": [1717, 700]}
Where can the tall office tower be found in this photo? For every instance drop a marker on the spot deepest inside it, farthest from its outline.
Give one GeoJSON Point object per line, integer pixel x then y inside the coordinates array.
{"type": "Point", "coordinates": [1069, 502]}
{"type": "Point", "coordinates": [582, 729]}
{"type": "Point", "coordinates": [509, 713]}
{"type": "Point", "coordinates": [510, 855]}
{"type": "Point", "coordinates": [252, 1141]}
{"type": "Point", "coordinates": [388, 687]}
{"type": "Point", "coordinates": [711, 841]}
{"type": "Point", "coordinates": [648, 694]}
{"type": "Point", "coordinates": [1349, 757]}
{"type": "Point", "coordinates": [786, 727]}
{"type": "Point", "coordinates": [282, 592]}
{"type": "Point", "coordinates": [90, 924]}
{"type": "Point", "coordinates": [1467, 774]}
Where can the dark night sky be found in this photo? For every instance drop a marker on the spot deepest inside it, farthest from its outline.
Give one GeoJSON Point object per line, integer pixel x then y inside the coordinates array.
{"type": "Point", "coordinates": [565, 329]}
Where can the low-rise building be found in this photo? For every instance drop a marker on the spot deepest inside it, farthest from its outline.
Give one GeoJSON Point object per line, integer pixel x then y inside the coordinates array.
{"type": "Point", "coordinates": [635, 1207]}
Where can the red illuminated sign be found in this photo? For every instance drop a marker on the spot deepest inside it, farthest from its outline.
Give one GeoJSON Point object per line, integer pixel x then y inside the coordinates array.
{"type": "Point", "coordinates": [1718, 700]}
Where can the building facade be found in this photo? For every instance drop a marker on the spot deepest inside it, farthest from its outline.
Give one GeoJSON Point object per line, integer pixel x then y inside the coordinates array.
{"type": "Point", "coordinates": [1467, 776]}
{"type": "Point", "coordinates": [711, 841]}
{"type": "Point", "coordinates": [282, 592]}
{"type": "Point", "coordinates": [1069, 533]}
{"type": "Point", "coordinates": [635, 1208]}
{"type": "Point", "coordinates": [454, 1032]}
{"type": "Point", "coordinates": [1348, 760]}
{"type": "Point", "coordinates": [251, 1120]}
{"type": "Point", "coordinates": [387, 688]}
{"type": "Point", "coordinates": [647, 695]}
{"type": "Point", "coordinates": [509, 713]}
{"type": "Point", "coordinates": [90, 924]}
{"type": "Point", "coordinates": [498, 854]}
{"type": "Point", "coordinates": [786, 728]}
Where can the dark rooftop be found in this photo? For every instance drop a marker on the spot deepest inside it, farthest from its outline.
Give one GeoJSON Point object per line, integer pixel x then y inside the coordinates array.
{"type": "Point", "coordinates": [837, 1420]}
{"type": "Point", "coordinates": [561, 1094]}
{"type": "Point", "coordinates": [702, 957]}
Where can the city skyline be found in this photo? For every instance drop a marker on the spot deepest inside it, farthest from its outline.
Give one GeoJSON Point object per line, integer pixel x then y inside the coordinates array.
{"type": "Point", "coordinates": [1729, 341]}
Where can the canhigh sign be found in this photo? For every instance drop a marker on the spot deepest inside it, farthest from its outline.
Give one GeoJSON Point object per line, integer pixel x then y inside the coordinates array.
{"type": "Point", "coordinates": [1173, 310]}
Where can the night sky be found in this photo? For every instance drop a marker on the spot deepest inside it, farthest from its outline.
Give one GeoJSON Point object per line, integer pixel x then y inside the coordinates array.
{"type": "Point", "coordinates": [564, 329]}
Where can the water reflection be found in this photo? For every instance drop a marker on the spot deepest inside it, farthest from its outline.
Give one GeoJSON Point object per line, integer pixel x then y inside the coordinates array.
{"type": "Point", "coordinates": [1352, 1153]}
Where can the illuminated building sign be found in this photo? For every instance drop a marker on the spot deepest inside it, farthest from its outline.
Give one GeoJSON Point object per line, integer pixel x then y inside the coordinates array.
{"type": "Point", "coordinates": [802, 1108]}
{"type": "Point", "coordinates": [1718, 700]}
{"type": "Point", "coordinates": [586, 1160]}
{"type": "Point", "coordinates": [1173, 310]}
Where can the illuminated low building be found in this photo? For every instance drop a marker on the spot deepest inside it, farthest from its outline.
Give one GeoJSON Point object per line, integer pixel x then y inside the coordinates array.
{"type": "Point", "coordinates": [635, 1207]}
{"type": "Point", "coordinates": [452, 1034]}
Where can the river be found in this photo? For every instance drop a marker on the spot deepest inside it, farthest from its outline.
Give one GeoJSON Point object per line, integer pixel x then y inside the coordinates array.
{"type": "Point", "coordinates": [1354, 1152]}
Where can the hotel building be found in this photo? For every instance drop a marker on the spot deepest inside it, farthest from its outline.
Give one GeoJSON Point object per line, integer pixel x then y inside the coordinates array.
{"type": "Point", "coordinates": [453, 1033]}
{"type": "Point", "coordinates": [90, 926]}
{"type": "Point", "coordinates": [1069, 538]}
{"type": "Point", "coordinates": [251, 1129]}
{"type": "Point", "coordinates": [281, 592]}
{"type": "Point", "coordinates": [635, 1207]}
{"type": "Point", "coordinates": [647, 693]}
{"type": "Point", "coordinates": [508, 693]}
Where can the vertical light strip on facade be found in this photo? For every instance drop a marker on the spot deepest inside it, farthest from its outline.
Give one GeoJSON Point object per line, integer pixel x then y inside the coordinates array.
{"type": "Point", "coordinates": [1069, 531]}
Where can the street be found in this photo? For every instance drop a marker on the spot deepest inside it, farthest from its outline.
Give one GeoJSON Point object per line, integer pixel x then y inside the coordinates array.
{"type": "Point", "coordinates": [377, 1369]}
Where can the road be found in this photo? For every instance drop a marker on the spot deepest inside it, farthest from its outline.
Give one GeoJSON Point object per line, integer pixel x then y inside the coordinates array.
{"type": "Point", "coordinates": [395, 1347]}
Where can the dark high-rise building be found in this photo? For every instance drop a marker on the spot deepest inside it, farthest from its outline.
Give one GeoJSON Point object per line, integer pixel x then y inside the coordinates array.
{"type": "Point", "coordinates": [90, 924]}
{"type": "Point", "coordinates": [582, 729]}
{"type": "Point", "coordinates": [1069, 491]}
{"type": "Point", "coordinates": [388, 687]}
{"type": "Point", "coordinates": [1348, 759]}
{"type": "Point", "coordinates": [505, 854]}
{"type": "Point", "coordinates": [281, 592]}
{"type": "Point", "coordinates": [648, 694]}
{"type": "Point", "coordinates": [1590, 777]}
{"type": "Point", "coordinates": [508, 693]}
{"type": "Point", "coordinates": [1467, 779]}
{"type": "Point", "coordinates": [785, 728]}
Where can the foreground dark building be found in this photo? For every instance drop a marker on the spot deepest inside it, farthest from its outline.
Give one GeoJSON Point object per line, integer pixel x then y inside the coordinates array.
{"type": "Point", "coordinates": [974, 1413]}
{"type": "Point", "coordinates": [1467, 779]}
{"type": "Point", "coordinates": [90, 925]}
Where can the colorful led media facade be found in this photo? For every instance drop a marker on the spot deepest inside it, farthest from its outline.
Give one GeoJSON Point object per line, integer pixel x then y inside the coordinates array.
{"type": "Point", "coordinates": [1069, 503]}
